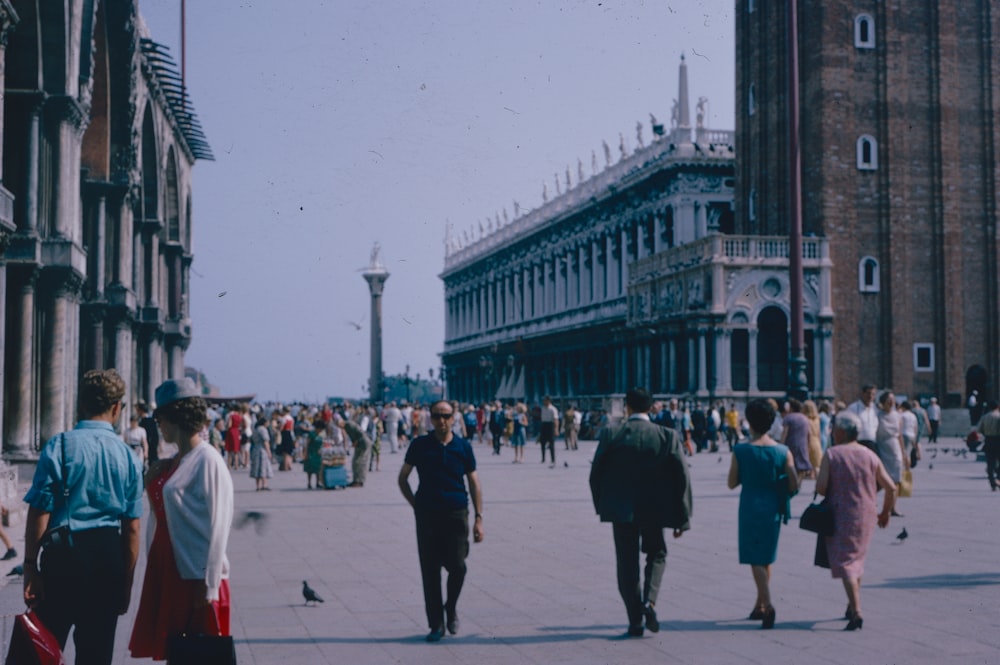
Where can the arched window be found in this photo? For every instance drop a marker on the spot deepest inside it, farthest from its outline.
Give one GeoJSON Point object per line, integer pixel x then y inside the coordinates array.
{"type": "Point", "coordinates": [867, 153]}
{"type": "Point", "coordinates": [868, 275]}
{"type": "Point", "coordinates": [864, 31]}
{"type": "Point", "coordinates": [150, 168]}
{"type": "Point", "coordinates": [751, 100]}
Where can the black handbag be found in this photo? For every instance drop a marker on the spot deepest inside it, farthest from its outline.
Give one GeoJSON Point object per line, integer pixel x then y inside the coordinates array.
{"type": "Point", "coordinates": [818, 518]}
{"type": "Point", "coordinates": [201, 650]}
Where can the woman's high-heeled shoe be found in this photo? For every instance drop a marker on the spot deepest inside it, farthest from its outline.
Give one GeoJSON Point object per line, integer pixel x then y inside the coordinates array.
{"type": "Point", "coordinates": [848, 613]}
{"type": "Point", "coordinates": [767, 621]}
{"type": "Point", "coordinates": [757, 614]}
{"type": "Point", "coordinates": [856, 622]}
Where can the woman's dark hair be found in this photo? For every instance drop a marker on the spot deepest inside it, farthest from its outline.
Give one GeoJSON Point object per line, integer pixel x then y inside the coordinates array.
{"type": "Point", "coordinates": [760, 415]}
{"type": "Point", "coordinates": [261, 421]}
{"type": "Point", "coordinates": [189, 414]}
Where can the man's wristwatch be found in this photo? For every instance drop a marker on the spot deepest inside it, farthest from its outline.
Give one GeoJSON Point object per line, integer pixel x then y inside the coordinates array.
{"type": "Point", "coordinates": [479, 516]}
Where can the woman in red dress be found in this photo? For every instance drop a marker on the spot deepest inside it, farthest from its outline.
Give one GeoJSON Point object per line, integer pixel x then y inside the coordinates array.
{"type": "Point", "coordinates": [186, 587]}
{"type": "Point", "coordinates": [234, 430]}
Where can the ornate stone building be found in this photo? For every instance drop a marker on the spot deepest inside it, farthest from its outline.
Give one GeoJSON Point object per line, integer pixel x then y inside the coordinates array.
{"type": "Point", "coordinates": [99, 140]}
{"type": "Point", "coordinates": [632, 276]}
{"type": "Point", "coordinates": [899, 140]}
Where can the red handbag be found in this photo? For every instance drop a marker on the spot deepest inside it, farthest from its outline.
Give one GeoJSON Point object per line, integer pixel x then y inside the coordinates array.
{"type": "Point", "coordinates": [32, 643]}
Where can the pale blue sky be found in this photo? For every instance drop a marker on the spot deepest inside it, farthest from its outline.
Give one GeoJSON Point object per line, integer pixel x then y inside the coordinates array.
{"type": "Point", "coordinates": [338, 124]}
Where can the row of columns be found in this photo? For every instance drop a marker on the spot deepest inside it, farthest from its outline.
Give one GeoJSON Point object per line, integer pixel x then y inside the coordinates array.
{"type": "Point", "coordinates": [697, 361]}
{"type": "Point", "coordinates": [583, 273]}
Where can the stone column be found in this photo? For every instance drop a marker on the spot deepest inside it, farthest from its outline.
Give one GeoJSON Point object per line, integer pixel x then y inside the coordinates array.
{"type": "Point", "coordinates": [658, 221]}
{"type": "Point", "coordinates": [21, 438]}
{"type": "Point", "coordinates": [32, 170]}
{"type": "Point", "coordinates": [154, 362]}
{"type": "Point", "coordinates": [672, 360]}
{"type": "Point", "coordinates": [611, 265]}
{"type": "Point", "coordinates": [692, 368]}
{"type": "Point", "coordinates": [723, 361]}
{"type": "Point", "coordinates": [752, 353]}
{"type": "Point", "coordinates": [59, 364]}
{"type": "Point", "coordinates": [702, 363]}
{"type": "Point", "coordinates": [123, 356]}
{"type": "Point", "coordinates": [623, 264]}
{"type": "Point", "coordinates": [376, 275]}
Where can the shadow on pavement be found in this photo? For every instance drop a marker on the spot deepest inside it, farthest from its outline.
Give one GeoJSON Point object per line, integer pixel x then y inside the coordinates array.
{"type": "Point", "coordinates": [938, 581]}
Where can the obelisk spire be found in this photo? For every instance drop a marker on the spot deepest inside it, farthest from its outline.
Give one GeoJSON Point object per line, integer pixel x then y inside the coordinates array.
{"type": "Point", "coordinates": [684, 110]}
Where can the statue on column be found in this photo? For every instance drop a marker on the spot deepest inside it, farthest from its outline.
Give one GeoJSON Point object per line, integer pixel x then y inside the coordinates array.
{"type": "Point", "coordinates": [374, 261]}
{"type": "Point", "coordinates": [621, 146]}
{"type": "Point", "coordinates": [579, 171]}
{"type": "Point", "coordinates": [638, 134]}
{"type": "Point", "coordinates": [675, 114]}
{"type": "Point", "coordinates": [700, 110]}
{"type": "Point", "coordinates": [607, 153]}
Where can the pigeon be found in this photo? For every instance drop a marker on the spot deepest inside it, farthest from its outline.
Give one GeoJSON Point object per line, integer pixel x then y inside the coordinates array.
{"type": "Point", "coordinates": [16, 570]}
{"type": "Point", "coordinates": [720, 458]}
{"type": "Point", "coordinates": [258, 519]}
{"type": "Point", "coordinates": [934, 454]}
{"type": "Point", "coordinates": [902, 535]}
{"type": "Point", "coordinates": [309, 594]}
{"type": "Point", "coordinates": [566, 464]}
{"type": "Point", "coordinates": [930, 466]}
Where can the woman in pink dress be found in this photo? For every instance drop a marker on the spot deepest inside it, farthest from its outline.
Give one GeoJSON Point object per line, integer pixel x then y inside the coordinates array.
{"type": "Point", "coordinates": [186, 587]}
{"type": "Point", "coordinates": [849, 477]}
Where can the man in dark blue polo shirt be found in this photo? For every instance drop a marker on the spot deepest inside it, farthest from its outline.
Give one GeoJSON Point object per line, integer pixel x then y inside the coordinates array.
{"type": "Point", "coordinates": [441, 505]}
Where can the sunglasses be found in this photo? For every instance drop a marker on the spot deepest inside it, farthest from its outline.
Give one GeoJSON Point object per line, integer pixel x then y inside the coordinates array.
{"type": "Point", "coordinates": [442, 415]}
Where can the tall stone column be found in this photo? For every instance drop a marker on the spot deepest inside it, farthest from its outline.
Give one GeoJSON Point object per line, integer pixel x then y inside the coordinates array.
{"type": "Point", "coordinates": [59, 364]}
{"type": "Point", "coordinates": [123, 357]}
{"type": "Point", "coordinates": [20, 440]}
{"type": "Point", "coordinates": [752, 353]}
{"type": "Point", "coordinates": [672, 371]}
{"type": "Point", "coordinates": [702, 362]}
{"type": "Point", "coordinates": [723, 361]}
{"type": "Point", "coordinates": [376, 275]}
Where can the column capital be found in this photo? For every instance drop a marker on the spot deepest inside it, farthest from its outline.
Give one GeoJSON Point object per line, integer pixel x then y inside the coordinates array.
{"type": "Point", "coordinates": [65, 108]}
{"type": "Point", "coordinates": [64, 282]}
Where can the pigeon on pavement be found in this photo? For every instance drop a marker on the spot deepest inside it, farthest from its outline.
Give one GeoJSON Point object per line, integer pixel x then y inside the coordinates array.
{"type": "Point", "coordinates": [309, 594]}
{"type": "Point", "coordinates": [903, 535]}
{"type": "Point", "coordinates": [16, 570]}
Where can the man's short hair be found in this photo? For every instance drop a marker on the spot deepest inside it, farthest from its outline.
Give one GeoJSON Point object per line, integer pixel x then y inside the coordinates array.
{"type": "Point", "coordinates": [100, 389]}
{"type": "Point", "coordinates": [848, 423]}
{"type": "Point", "coordinates": [638, 400]}
{"type": "Point", "coordinates": [865, 388]}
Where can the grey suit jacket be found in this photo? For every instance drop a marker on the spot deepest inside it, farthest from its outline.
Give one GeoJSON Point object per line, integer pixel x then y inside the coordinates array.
{"type": "Point", "coordinates": [639, 475]}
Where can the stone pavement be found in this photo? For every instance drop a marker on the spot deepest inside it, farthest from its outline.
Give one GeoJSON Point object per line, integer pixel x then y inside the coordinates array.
{"type": "Point", "coordinates": [541, 588]}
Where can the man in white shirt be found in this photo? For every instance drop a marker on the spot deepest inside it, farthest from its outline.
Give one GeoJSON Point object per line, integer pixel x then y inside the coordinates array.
{"type": "Point", "coordinates": [934, 416]}
{"type": "Point", "coordinates": [549, 426]}
{"type": "Point", "coordinates": [867, 412]}
{"type": "Point", "coordinates": [391, 416]}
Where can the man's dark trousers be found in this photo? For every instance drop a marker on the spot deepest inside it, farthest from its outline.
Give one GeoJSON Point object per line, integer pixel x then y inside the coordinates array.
{"type": "Point", "coordinates": [628, 536]}
{"type": "Point", "coordinates": [442, 542]}
{"type": "Point", "coordinates": [83, 588]}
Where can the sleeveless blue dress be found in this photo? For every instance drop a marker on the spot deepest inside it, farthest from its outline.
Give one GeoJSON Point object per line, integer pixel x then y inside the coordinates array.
{"type": "Point", "coordinates": [761, 501]}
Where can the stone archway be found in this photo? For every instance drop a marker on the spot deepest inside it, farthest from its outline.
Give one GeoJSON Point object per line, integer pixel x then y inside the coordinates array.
{"type": "Point", "coordinates": [772, 349]}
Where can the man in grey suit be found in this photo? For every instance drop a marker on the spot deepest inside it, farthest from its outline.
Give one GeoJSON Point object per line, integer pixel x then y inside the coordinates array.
{"type": "Point", "coordinates": [639, 482]}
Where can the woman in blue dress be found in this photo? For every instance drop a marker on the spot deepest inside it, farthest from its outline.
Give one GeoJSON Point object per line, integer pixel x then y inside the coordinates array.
{"type": "Point", "coordinates": [767, 473]}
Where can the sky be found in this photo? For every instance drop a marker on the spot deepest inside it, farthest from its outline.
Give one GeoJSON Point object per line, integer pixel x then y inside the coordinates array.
{"type": "Point", "coordinates": [340, 124]}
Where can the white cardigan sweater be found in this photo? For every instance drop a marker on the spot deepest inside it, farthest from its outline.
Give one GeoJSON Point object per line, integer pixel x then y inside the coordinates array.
{"type": "Point", "coordinates": [198, 503]}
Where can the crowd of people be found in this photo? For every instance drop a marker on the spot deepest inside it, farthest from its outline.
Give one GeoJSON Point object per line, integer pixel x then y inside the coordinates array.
{"type": "Point", "coordinates": [183, 454]}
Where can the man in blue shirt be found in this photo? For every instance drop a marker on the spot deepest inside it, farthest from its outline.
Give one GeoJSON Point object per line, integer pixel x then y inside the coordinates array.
{"type": "Point", "coordinates": [441, 505]}
{"type": "Point", "coordinates": [85, 502]}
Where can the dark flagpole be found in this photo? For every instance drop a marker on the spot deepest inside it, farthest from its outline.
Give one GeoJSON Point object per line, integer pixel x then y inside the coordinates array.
{"type": "Point", "coordinates": [798, 382]}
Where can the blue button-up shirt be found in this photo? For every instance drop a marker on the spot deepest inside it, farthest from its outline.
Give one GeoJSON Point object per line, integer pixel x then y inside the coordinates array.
{"type": "Point", "coordinates": [103, 475]}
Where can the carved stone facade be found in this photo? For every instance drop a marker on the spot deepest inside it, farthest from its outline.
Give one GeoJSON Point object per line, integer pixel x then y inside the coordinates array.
{"type": "Point", "coordinates": [604, 285]}
{"type": "Point", "coordinates": [95, 208]}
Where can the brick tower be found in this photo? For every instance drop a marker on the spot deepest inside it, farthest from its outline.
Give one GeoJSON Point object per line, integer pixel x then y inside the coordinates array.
{"type": "Point", "coordinates": [899, 145]}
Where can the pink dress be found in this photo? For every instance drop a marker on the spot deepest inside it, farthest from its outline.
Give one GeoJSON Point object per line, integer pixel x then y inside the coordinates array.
{"type": "Point", "coordinates": [852, 493]}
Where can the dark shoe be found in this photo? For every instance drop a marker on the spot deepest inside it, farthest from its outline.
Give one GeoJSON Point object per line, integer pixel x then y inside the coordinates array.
{"type": "Point", "coordinates": [435, 635]}
{"type": "Point", "coordinates": [757, 614]}
{"type": "Point", "coordinates": [856, 622]}
{"type": "Point", "coordinates": [633, 631]}
{"type": "Point", "coordinates": [895, 514]}
{"type": "Point", "coordinates": [452, 622]}
{"type": "Point", "coordinates": [11, 554]}
{"type": "Point", "coordinates": [356, 484]}
{"type": "Point", "coordinates": [767, 621]}
{"type": "Point", "coordinates": [652, 623]}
